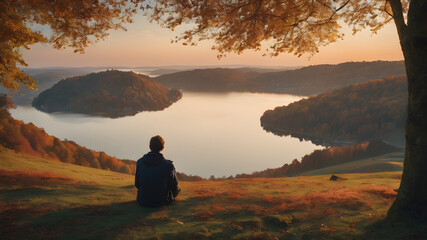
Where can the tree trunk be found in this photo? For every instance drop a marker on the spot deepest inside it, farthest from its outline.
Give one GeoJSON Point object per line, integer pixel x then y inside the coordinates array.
{"type": "Point", "coordinates": [411, 202]}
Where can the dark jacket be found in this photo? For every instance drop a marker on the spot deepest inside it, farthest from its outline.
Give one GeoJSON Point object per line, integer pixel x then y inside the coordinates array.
{"type": "Point", "coordinates": [156, 180]}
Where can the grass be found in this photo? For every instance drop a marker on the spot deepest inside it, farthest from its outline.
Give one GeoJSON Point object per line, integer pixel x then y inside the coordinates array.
{"type": "Point", "coordinates": [384, 163]}
{"type": "Point", "coordinates": [74, 202]}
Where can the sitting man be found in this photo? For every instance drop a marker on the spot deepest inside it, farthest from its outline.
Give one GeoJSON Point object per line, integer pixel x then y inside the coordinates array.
{"type": "Point", "coordinates": [155, 177]}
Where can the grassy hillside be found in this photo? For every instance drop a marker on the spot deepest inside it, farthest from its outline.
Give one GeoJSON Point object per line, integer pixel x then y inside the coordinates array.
{"type": "Point", "coordinates": [65, 201]}
{"type": "Point", "coordinates": [331, 156]}
{"type": "Point", "coordinates": [383, 163]}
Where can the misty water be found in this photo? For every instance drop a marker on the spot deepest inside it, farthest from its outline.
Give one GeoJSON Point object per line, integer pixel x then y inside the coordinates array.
{"type": "Point", "coordinates": [206, 133]}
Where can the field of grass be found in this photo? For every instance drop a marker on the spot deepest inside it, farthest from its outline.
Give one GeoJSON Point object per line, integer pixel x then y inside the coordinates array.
{"type": "Point", "coordinates": [385, 163]}
{"type": "Point", "coordinates": [42, 199]}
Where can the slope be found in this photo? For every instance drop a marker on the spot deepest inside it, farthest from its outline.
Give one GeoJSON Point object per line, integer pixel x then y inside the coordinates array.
{"type": "Point", "coordinates": [387, 162]}
{"type": "Point", "coordinates": [101, 205]}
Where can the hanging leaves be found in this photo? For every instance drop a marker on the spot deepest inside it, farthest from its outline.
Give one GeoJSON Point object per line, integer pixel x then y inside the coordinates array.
{"type": "Point", "coordinates": [74, 24]}
{"type": "Point", "coordinates": [292, 26]}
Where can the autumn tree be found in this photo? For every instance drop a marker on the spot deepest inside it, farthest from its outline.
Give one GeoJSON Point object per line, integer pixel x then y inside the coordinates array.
{"type": "Point", "coordinates": [302, 26]}
{"type": "Point", "coordinates": [64, 23]}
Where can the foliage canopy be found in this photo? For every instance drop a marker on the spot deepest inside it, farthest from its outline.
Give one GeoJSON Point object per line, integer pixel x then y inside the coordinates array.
{"type": "Point", "coordinates": [64, 23]}
{"type": "Point", "coordinates": [294, 26]}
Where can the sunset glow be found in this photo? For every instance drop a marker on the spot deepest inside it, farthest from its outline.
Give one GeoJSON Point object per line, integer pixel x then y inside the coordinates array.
{"type": "Point", "coordinates": [147, 44]}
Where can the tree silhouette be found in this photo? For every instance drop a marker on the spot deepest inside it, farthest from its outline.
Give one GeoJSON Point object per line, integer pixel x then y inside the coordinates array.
{"type": "Point", "coordinates": [301, 26]}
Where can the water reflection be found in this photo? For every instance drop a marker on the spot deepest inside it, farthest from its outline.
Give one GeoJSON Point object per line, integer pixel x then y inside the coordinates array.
{"type": "Point", "coordinates": [206, 133]}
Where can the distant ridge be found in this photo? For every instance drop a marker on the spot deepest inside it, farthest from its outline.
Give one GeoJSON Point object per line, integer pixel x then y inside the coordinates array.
{"type": "Point", "coordinates": [215, 79]}
{"type": "Point", "coordinates": [324, 78]}
{"type": "Point", "coordinates": [303, 81]}
{"type": "Point", "coordinates": [110, 93]}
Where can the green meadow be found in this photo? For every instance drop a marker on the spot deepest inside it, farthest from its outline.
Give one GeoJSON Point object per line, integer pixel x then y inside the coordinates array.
{"type": "Point", "coordinates": [42, 199]}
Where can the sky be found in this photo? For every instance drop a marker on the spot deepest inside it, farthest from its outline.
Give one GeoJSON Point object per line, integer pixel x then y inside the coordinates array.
{"type": "Point", "coordinates": [148, 44]}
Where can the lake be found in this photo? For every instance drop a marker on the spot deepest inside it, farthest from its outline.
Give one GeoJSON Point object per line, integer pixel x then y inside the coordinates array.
{"type": "Point", "coordinates": [206, 133]}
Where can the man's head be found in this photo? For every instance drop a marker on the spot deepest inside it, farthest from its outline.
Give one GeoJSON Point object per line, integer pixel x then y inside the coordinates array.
{"type": "Point", "coordinates": [157, 144]}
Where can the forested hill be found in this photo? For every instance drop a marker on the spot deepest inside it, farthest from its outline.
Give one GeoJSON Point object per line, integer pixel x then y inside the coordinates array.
{"type": "Point", "coordinates": [357, 112]}
{"type": "Point", "coordinates": [46, 78]}
{"type": "Point", "coordinates": [109, 93]}
{"type": "Point", "coordinates": [324, 78]}
{"type": "Point", "coordinates": [304, 81]}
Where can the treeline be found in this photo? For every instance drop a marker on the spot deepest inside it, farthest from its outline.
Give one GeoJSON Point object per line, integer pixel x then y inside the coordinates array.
{"type": "Point", "coordinates": [357, 112]}
{"type": "Point", "coordinates": [188, 178]}
{"type": "Point", "coordinates": [110, 93]}
{"type": "Point", "coordinates": [28, 138]}
{"type": "Point", "coordinates": [326, 157]}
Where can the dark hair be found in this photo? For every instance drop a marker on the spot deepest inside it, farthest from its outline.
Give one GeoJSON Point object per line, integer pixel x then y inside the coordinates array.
{"type": "Point", "coordinates": [157, 143]}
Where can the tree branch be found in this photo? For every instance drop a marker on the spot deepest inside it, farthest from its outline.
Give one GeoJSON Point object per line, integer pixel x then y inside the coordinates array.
{"type": "Point", "coordinates": [396, 7]}
{"type": "Point", "coordinates": [386, 11]}
{"type": "Point", "coordinates": [342, 6]}
{"type": "Point", "coordinates": [334, 12]}
{"type": "Point", "coordinates": [3, 63]}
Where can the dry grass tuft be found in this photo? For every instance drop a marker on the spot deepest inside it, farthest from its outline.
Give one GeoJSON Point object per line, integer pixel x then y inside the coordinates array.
{"type": "Point", "coordinates": [204, 194]}
{"type": "Point", "coordinates": [344, 197]}
{"type": "Point", "coordinates": [232, 209]}
{"type": "Point", "coordinates": [384, 191]}
{"type": "Point", "coordinates": [217, 208]}
{"type": "Point", "coordinates": [235, 194]}
{"type": "Point", "coordinates": [204, 214]}
{"type": "Point", "coordinates": [254, 225]}
{"type": "Point", "coordinates": [320, 213]}
{"type": "Point", "coordinates": [272, 199]}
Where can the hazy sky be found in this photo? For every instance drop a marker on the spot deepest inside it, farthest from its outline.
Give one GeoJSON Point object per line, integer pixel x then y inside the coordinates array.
{"type": "Point", "coordinates": [147, 44]}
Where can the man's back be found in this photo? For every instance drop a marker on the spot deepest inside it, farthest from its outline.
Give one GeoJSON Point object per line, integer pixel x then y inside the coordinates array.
{"type": "Point", "coordinates": [156, 180]}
